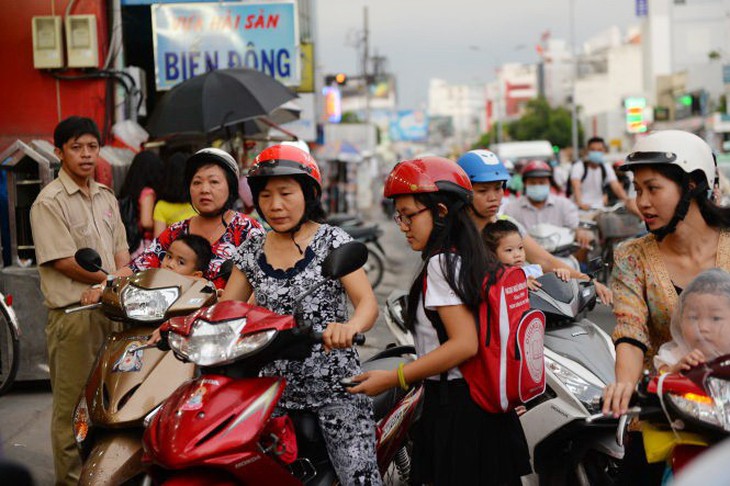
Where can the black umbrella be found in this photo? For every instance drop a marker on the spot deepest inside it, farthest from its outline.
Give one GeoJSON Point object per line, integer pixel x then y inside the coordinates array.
{"type": "Point", "coordinates": [217, 99]}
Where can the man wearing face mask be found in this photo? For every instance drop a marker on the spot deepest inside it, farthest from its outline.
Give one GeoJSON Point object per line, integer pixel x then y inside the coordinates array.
{"type": "Point", "coordinates": [540, 205]}
{"type": "Point", "coordinates": [589, 177]}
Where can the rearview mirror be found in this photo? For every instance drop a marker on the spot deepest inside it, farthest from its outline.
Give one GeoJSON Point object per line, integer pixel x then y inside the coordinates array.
{"type": "Point", "coordinates": [225, 270]}
{"type": "Point", "coordinates": [344, 260]}
{"type": "Point", "coordinates": [89, 260]}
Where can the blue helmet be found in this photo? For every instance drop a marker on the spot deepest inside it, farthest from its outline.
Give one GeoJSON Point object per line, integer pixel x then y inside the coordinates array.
{"type": "Point", "coordinates": [483, 166]}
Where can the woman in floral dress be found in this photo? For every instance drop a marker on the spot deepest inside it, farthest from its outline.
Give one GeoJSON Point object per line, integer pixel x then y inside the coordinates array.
{"type": "Point", "coordinates": [276, 267]}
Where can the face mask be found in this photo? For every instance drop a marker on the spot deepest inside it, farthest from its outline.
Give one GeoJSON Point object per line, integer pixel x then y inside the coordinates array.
{"type": "Point", "coordinates": [537, 192]}
{"type": "Point", "coordinates": [595, 156]}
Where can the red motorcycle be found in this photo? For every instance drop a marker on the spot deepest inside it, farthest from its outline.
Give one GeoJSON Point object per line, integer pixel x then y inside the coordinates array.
{"type": "Point", "coordinates": [683, 414]}
{"type": "Point", "coordinates": [219, 429]}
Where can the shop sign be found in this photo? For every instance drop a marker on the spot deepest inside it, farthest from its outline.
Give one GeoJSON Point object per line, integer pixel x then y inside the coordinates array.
{"type": "Point", "coordinates": [191, 39]}
{"type": "Point", "coordinates": [409, 126]}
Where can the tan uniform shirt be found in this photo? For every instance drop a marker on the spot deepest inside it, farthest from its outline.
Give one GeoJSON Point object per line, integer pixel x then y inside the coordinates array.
{"type": "Point", "coordinates": [64, 219]}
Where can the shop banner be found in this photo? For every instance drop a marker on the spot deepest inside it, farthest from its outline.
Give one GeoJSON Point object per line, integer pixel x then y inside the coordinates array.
{"type": "Point", "coordinates": [191, 39]}
{"type": "Point", "coordinates": [127, 3]}
{"type": "Point", "coordinates": [409, 126]}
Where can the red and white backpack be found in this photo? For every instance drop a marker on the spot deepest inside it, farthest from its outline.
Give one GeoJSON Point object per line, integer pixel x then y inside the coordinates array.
{"type": "Point", "coordinates": [509, 368]}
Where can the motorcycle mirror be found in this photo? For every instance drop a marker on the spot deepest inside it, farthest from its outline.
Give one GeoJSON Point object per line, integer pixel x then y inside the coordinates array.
{"type": "Point", "coordinates": [225, 270]}
{"type": "Point", "coordinates": [89, 259]}
{"type": "Point", "coordinates": [344, 260]}
{"type": "Point", "coordinates": [595, 265]}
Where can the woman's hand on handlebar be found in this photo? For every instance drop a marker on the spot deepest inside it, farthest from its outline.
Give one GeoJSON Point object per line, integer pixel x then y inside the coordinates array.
{"type": "Point", "coordinates": [338, 335]}
{"type": "Point", "coordinates": [374, 382]}
{"type": "Point", "coordinates": [616, 397]}
{"type": "Point", "coordinates": [604, 294]}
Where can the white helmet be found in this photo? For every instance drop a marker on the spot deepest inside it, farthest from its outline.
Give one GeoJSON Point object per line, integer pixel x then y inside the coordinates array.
{"type": "Point", "coordinates": [688, 152]}
{"type": "Point", "coordinates": [684, 149]}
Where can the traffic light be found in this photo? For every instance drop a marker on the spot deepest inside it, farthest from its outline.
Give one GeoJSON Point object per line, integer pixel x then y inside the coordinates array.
{"type": "Point", "coordinates": [339, 78]}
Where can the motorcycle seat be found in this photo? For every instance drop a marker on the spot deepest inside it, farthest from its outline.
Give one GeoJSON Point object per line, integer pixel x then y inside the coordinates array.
{"type": "Point", "coordinates": [383, 403]}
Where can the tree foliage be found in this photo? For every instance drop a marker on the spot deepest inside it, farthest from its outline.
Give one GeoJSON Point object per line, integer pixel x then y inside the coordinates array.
{"type": "Point", "coordinates": [540, 122]}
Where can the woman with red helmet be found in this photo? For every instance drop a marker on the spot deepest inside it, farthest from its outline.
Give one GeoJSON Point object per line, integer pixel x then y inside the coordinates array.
{"type": "Point", "coordinates": [456, 441]}
{"type": "Point", "coordinates": [286, 186]}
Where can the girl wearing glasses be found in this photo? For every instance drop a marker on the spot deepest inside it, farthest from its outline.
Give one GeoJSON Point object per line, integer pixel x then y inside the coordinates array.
{"type": "Point", "coordinates": [456, 442]}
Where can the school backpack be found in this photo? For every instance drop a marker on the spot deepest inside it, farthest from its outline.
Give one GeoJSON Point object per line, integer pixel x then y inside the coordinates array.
{"type": "Point", "coordinates": [128, 210]}
{"type": "Point", "coordinates": [509, 367]}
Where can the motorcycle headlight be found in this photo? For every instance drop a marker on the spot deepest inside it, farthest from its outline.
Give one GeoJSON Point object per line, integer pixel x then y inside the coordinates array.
{"type": "Point", "coordinates": [720, 392]}
{"type": "Point", "coordinates": [699, 407]}
{"type": "Point", "coordinates": [148, 304]}
{"type": "Point", "coordinates": [587, 393]}
{"type": "Point", "coordinates": [215, 344]}
{"type": "Point", "coordinates": [82, 422]}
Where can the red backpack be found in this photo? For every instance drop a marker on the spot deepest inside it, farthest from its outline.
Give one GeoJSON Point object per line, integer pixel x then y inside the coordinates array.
{"type": "Point", "coordinates": [509, 368]}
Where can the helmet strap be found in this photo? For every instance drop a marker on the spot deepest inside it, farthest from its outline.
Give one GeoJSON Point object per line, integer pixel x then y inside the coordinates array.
{"type": "Point", "coordinates": [682, 208]}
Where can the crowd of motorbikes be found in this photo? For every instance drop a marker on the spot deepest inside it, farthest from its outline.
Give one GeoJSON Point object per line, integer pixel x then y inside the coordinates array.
{"type": "Point", "coordinates": [193, 409]}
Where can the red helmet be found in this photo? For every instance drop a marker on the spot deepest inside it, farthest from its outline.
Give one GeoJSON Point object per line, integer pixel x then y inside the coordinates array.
{"type": "Point", "coordinates": [428, 174]}
{"type": "Point", "coordinates": [285, 160]}
{"type": "Point", "coordinates": [536, 168]}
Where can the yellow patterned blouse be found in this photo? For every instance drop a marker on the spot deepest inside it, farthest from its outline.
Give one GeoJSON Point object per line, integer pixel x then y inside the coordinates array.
{"type": "Point", "coordinates": [644, 295]}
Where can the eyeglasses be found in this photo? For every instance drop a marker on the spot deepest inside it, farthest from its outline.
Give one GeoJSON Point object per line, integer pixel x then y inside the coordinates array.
{"type": "Point", "coordinates": [407, 219]}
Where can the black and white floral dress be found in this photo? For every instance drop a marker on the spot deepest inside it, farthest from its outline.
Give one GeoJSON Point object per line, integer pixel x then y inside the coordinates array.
{"type": "Point", "coordinates": [314, 383]}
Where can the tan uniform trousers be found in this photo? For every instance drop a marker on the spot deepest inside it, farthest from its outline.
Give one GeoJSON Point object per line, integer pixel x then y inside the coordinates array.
{"type": "Point", "coordinates": [73, 341]}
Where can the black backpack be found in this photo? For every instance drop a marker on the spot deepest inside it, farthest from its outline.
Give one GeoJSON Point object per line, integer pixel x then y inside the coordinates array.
{"type": "Point", "coordinates": [129, 209]}
{"type": "Point", "coordinates": [569, 188]}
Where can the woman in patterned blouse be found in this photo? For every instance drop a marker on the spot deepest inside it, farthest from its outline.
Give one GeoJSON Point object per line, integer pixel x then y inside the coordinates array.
{"type": "Point", "coordinates": [276, 267]}
{"type": "Point", "coordinates": [674, 174]}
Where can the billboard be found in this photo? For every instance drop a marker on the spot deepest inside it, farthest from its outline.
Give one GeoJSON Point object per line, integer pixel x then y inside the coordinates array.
{"type": "Point", "coordinates": [194, 38]}
{"type": "Point", "coordinates": [409, 126]}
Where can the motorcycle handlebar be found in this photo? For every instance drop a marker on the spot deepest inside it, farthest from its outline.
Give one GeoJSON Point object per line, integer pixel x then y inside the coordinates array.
{"type": "Point", "coordinates": [80, 308]}
{"type": "Point", "coordinates": [358, 339]}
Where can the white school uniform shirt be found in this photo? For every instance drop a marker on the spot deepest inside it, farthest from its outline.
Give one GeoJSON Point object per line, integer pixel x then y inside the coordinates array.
{"type": "Point", "coordinates": [438, 293]}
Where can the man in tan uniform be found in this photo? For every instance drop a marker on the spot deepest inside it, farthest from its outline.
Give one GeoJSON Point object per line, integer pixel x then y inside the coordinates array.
{"type": "Point", "coordinates": [74, 212]}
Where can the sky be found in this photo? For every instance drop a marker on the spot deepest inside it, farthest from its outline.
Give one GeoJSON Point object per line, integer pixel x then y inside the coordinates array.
{"type": "Point", "coordinates": [461, 41]}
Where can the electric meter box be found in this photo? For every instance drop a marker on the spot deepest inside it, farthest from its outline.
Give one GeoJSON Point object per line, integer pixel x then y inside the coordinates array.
{"type": "Point", "coordinates": [47, 42]}
{"type": "Point", "coordinates": [82, 48]}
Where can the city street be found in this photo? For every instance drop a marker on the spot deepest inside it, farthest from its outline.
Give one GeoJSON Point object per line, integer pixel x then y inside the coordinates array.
{"type": "Point", "coordinates": [25, 411]}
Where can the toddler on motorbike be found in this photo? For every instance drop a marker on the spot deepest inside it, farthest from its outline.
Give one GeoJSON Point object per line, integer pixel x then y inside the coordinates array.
{"type": "Point", "coordinates": [701, 324]}
{"type": "Point", "coordinates": [503, 239]}
{"type": "Point", "coordinates": [189, 255]}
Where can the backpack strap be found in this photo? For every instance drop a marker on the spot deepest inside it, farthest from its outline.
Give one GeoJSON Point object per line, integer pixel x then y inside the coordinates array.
{"type": "Point", "coordinates": [603, 173]}
{"type": "Point", "coordinates": [438, 324]}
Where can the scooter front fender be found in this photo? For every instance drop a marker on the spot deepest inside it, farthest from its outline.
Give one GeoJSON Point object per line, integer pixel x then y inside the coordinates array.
{"type": "Point", "coordinates": [115, 458]}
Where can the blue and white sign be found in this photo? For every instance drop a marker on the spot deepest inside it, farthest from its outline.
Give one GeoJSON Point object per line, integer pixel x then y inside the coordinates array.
{"type": "Point", "coordinates": [409, 126]}
{"type": "Point", "coordinates": [194, 38]}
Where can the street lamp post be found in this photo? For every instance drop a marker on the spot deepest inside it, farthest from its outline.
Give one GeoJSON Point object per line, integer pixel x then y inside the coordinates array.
{"type": "Point", "coordinates": [573, 106]}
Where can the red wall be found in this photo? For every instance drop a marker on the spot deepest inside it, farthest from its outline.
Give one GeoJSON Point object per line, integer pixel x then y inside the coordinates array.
{"type": "Point", "coordinates": [29, 98]}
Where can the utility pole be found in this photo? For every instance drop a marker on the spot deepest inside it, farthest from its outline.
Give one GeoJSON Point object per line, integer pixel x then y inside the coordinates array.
{"type": "Point", "coordinates": [573, 107]}
{"type": "Point", "coordinates": [365, 62]}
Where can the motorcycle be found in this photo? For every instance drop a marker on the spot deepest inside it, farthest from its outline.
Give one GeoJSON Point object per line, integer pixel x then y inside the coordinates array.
{"type": "Point", "coordinates": [219, 429]}
{"type": "Point", "coordinates": [611, 226]}
{"type": "Point", "coordinates": [683, 413]}
{"type": "Point", "coordinates": [558, 241]}
{"type": "Point", "coordinates": [579, 361]}
{"type": "Point", "coordinates": [9, 343]}
{"type": "Point", "coordinates": [129, 379]}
